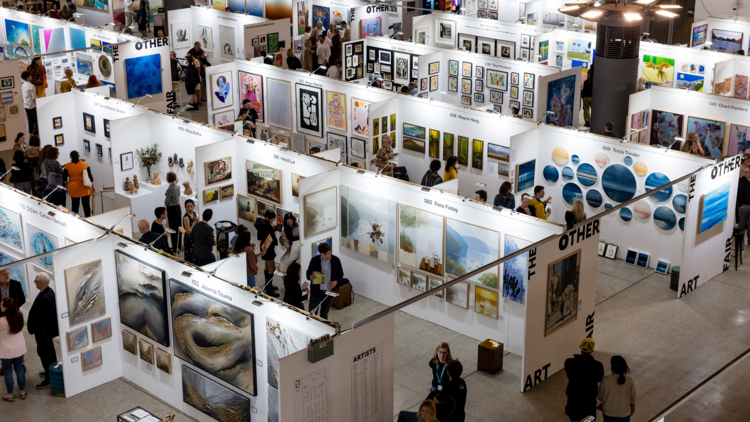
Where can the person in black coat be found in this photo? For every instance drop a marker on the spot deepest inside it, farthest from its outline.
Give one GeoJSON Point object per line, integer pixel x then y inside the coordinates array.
{"type": "Point", "coordinates": [42, 324]}
{"type": "Point", "coordinates": [265, 229]}
{"type": "Point", "coordinates": [450, 402]}
{"type": "Point", "coordinates": [292, 290]}
{"type": "Point", "coordinates": [14, 288]}
{"type": "Point", "coordinates": [332, 280]}
{"type": "Point", "coordinates": [584, 374]}
{"type": "Point", "coordinates": [149, 236]}
{"type": "Point", "coordinates": [438, 365]}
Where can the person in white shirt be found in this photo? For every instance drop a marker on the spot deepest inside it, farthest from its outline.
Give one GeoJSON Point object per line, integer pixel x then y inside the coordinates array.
{"type": "Point", "coordinates": [324, 51]}
{"type": "Point", "coordinates": [29, 102]}
{"type": "Point", "coordinates": [128, 13]}
{"type": "Point", "coordinates": [334, 72]}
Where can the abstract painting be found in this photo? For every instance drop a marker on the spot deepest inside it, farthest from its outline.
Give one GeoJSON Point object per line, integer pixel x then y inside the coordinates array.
{"type": "Point", "coordinates": [360, 117]}
{"type": "Point", "coordinates": [665, 126]}
{"type": "Point", "coordinates": [420, 239]}
{"type": "Point", "coordinates": [279, 103]}
{"type": "Point", "coordinates": [336, 110]}
{"type": "Point", "coordinates": [497, 79]}
{"type": "Point", "coordinates": [560, 155]}
{"type": "Point", "coordinates": [587, 174]}
{"type": "Point", "coordinates": [227, 42]}
{"type": "Point", "coordinates": [221, 88]}
{"type": "Point", "coordinates": [486, 302]}
{"type": "Point", "coordinates": [146, 351]}
{"type": "Point", "coordinates": [572, 192]}
{"type": "Point", "coordinates": [164, 361]}
{"type": "Point", "coordinates": [515, 270]}
{"type": "Point", "coordinates": [714, 207]}
{"type": "Point", "coordinates": [335, 140]}
{"type": "Point", "coordinates": [722, 41]}
{"type": "Point", "coordinates": [309, 110]}
{"type": "Point", "coordinates": [370, 27]}
{"type": "Point", "coordinates": [560, 100]}
{"type": "Point", "coordinates": [10, 229]}
{"type": "Point", "coordinates": [282, 340]}
{"type": "Point", "coordinates": [710, 135]}
{"type": "Point", "coordinates": [740, 86]}
{"type": "Point", "coordinates": [665, 218]}
{"type": "Point", "coordinates": [469, 247]}
{"type": "Point", "coordinates": [251, 88]}
{"type": "Point", "coordinates": [143, 75]}
{"type": "Point", "coordinates": [213, 336]}
{"type": "Point", "coordinates": [295, 184]}
{"type": "Point", "coordinates": [212, 398]}
{"type": "Point", "coordinates": [658, 70]}
{"type": "Point", "coordinates": [142, 293]}
{"type": "Point", "coordinates": [321, 14]}
{"type": "Point", "coordinates": [129, 342]}
{"type": "Point", "coordinates": [368, 224]}
{"type": "Point", "coordinates": [655, 180]}
{"type": "Point", "coordinates": [84, 64]}
{"type": "Point", "coordinates": [458, 294]}
{"type": "Point", "coordinates": [91, 359]}
{"type": "Point", "coordinates": [40, 242]}
{"type": "Point", "coordinates": [525, 175]}
{"type": "Point", "coordinates": [550, 173]}
{"type": "Point", "coordinates": [738, 144]}
{"type": "Point", "coordinates": [101, 330]}
{"type": "Point", "coordinates": [320, 211]}
{"type": "Point", "coordinates": [17, 33]}
{"type": "Point", "coordinates": [54, 40]}
{"type": "Point", "coordinates": [618, 183]}
{"type": "Point", "coordinates": [264, 182]}
{"type": "Point", "coordinates": [77, 338]}
{"type": "Point", "coordinates": [562, 292]}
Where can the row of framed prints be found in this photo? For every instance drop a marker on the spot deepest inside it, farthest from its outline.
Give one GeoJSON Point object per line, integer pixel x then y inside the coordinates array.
{"type": "Point", "coordinates": [487, 46]}
{"type": "Point", "coordinates": [250, 209]}
{"type": "Point", "coordinates": [400, 68]}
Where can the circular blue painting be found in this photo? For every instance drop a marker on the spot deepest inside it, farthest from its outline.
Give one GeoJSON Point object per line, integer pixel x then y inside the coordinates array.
{"type": "Point", "coordinates": [626, 214]}
{"type": "Point", "coordinates": [20, 52]}
{"type": "Point", "coordinates": [607, 206]}
{"type": "Point", "coordinates": [679, 202]}
{"type": "Point", "coordinates": [567, 173]}
{"type": "Point", "coordinates": [594, 198]}
{"type": "Point", "coordinates": [653, 181]}
{"type": "Point", "coordinates": [575, 159]}
{"type": "Point", "coordinates": [587, 175]}
{"type": "Point", "coordinates": [682, 223]}
{"type": "Point", "coordinates": [628, 161]}
{"type": "Point", "coordinates": [665, 218]}
{"type": "Point", "coordinates": [618, 183]}
{"type": "Point", "coordinates": [571, 192]}
{"type": "Point", "coordinates": [551, 174]}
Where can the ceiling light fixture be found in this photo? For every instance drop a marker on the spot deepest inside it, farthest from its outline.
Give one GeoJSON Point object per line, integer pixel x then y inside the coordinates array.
{"type": "Point", "coordinates": [592, 14]}
{"type": "Point", "coordinates": [633, 16]}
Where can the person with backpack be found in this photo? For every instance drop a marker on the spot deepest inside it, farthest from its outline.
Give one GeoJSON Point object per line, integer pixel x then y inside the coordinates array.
{"type": "Point", "coordinates": [432, 176]}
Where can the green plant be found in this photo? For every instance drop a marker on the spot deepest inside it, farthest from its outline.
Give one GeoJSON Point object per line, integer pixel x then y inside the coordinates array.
{"type": "Point", "coordinates": [149, 155]}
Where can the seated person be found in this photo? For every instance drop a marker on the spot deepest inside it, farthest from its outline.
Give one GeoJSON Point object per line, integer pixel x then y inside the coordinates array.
{"type": "Point", "coordinates": [149, 236]}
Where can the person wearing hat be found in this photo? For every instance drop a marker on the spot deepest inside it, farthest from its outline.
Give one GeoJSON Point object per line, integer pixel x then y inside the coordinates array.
{"type": "Point", "coordinates": [584, 374]}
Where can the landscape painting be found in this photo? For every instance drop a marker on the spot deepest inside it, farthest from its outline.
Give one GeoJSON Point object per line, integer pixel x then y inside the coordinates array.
{"type": "Point", "coordinates": [213, 336]}
{"type": "Point", "coordinates": [91, 359]}
{"type": "Point", "coordinates": [515, 270]}
{"type": "Point", "coordinates": [420, 241]}
{"type": "Point", "coordinates": [463, 151]}
{"type": "Point", "coordinates": [212, 398]}
{"type": "Point", "coordinates": [525, 175]}
{"type": "Point", "coordinates": [726, 41]}
{"type": "Point", "coordinates": [414, 145]}
{"type": "Point", "coordinates": [414, 131]}
{"type": "Point", "coordinates": [263, 181]}
{"type": "Point", "coordinates": [469, 247]}
{"type": "Point", "coordinates": [77, 338]}
{"type": "Point", "coordinates": [714, 207]}
{"type": "Point", "coordinates": [458, 294]}
{"type": "Point", "coordinates": [129, 342]}
{"type": "Point", "coordinates": [368, 224]}
{"type": "Point", "coordinates": [101, 330]}
{"type": "Point", "coordinates": [246, 208]}
{"type": "Point", "coordinates": [141, 289]}
{"type": "Point", "coordinates": [448, 145]}
{"type": "Point", "coordinates": [689, 82]}
{"type": "Point", "coordinates": [498, 152]}
{"type": "Point", "coordinates": [320, 211]}
{"type": "Point", "coordinates": [562, 292]}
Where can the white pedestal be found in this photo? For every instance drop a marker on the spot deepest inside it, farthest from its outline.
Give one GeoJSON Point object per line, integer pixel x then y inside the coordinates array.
{"type": "Point", "coordinates": [141, 204]}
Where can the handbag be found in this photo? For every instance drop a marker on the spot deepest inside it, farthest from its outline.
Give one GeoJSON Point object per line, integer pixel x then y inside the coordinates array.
{"type": "Point", "coordinates": [85, 176]}
{"type": "Point", "coordinates": [175, 87]}
{"type": "Point", "coordinates": [54, 180]}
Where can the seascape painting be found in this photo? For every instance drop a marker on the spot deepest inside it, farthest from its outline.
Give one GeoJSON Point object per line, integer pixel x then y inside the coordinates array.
{"type": "Point", "coordinates": [40, 242]}
{"type": "Point", "coordinates": [561, 101]}
{"type": "Point", "coordinates": [17, 33]}
{"type": "Point", "coordinates": [143, 75]}
{"type": "Point", "coordinates": [414, 131]}
{"type": "Point", "coordinates": [77, 338]}
{"type": "Point", "coordinates": [368, 224]}
{"type": "Point", "coordinates": [594, 198]}
{"type": "Point", "coordinates": [562, 292]}
{"type": "Point", "coordinates": [320, 211]}
{"type": "Point", "coordinates": [263, 181]}
{"type": "Point", "coordinates": [418, 281]}
{"type": "Point", "coordinates": [587, 175]}
{"type": "Point", "coordinates": [10, 229]}
{"type": "Point", "coordinates": [91, 359]}
{"type": "Point", "coordinates": [141, 289]}
{"type": "Point", "coordinates": [665, 218]}
{"type": "Point", "coordinates": [515, 271]}
{"type": "Point", "coordinates": [212, 398]}
{"type": "Point", "coordinates": [282, 340]}
{"type": "Point", "coordinates": [213, 336]}
{"type": "Point", "coordinates": [420, 240]}
{"type": "Point", "coordinates": [525, 175]}
{"type": "Point", "coordinates": [655, 180]}
{"type": "Point", "coordinates": [469, 247]}
{"type": "Point", "coordinates": [714, 207]}
{"type": "Point", "coordinates": [618, 183]}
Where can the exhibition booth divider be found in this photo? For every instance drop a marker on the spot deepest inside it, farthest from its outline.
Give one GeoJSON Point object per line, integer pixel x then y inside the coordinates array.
{"type": "Point", "coordinates": [131, 67]}
{"type": "Point", "coordinates": [128, 332]}
{"type": "Point", "coordinates": [603, 172]}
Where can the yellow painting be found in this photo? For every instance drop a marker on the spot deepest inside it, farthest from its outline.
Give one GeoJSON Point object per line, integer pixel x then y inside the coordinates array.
{"type": "Point", "coordinates": [485, 302]}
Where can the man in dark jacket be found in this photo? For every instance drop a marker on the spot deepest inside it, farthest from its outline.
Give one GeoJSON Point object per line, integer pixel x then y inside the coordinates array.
{"type": "Point", "coordinates": [450, 402]}
{"type": "Point", "coordinates": [11, 288]}
{"type": "Point", "coordinates": [42, 324]}
{"type": "Point", "coordinates": [333, 273]}
{"type": "Point", "coordinates": [266, 58]}
{"type": "Point", "coordinates": [743, 201]}
{"type": "Point", "coordinates": [584, 374]}
{"type": "Point", "coordinates": [204, 240]}
{"type": "Point", "coordinates": [265, 229]}
{"type": "Point", "coordinates": [148, 236]}
{"type": "Point", "coordinates": [586, 93]}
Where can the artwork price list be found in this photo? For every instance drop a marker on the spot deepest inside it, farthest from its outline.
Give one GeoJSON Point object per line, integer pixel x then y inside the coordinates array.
{"type": "Point", "coordinates": [311, 399]}
{"type": "Point", "coordinates": [367, 386]}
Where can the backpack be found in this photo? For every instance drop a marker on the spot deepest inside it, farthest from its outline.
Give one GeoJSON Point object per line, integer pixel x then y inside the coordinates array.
{"type": "Point", "coordinates": [401, 174]}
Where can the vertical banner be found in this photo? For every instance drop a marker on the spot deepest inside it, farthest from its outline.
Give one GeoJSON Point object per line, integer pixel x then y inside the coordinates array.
{"type": "Point", "coordinates": [708, 223]}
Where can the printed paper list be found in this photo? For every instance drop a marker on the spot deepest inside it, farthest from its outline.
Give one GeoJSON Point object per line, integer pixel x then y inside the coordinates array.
{"type": "Point", "coordinates": [367, 386]}
{"type": "Point", "coordinates": [311, 399]}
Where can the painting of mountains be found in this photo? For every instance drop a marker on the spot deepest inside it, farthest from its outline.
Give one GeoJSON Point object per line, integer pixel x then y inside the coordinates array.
{"type": "Point", "coordinates": [726, 41]}
{"type": "Point", "coordinates": [468, 247]}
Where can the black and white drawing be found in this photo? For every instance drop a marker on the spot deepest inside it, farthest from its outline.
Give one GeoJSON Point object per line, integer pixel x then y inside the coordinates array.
{"type": "Point", "coordinates": [309, 110]}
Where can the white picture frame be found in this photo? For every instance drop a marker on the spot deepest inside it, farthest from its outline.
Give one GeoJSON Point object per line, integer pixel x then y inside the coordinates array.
{"type": "Point", "coordinates": [445, 32]}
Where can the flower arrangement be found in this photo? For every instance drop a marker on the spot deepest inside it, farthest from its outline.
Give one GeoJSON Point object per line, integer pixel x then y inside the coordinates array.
{"type": "Point", "coordinates": [148, 157]}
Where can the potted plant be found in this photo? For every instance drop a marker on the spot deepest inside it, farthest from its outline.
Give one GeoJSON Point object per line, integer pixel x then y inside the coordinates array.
{"type": "Point", "coordinates": [148, 157]}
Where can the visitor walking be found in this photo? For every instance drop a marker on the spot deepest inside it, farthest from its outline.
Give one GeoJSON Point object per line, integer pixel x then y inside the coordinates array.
{"type": "Point", "coordinates": [188, 222]}
{"type": "Point", "coordinates": [504, 197]}
{"type": "Point", "coordinates": [293, 293]}
{"type": "Point", "coordinates": [42, 324]}
{"type": "Point", "coordinates": [450, 402]}
{"type": "Point", "coordinates": [324, 51]}
{"type": "Point", "coordinates": [80, 183]}
{"type": "Point", "coordinates": [52, 172]}
{"type": "Point", "coordinates": [307, 56]}
{"type": "Point", "coordinates": [12, 347]}
{"type": "Point", "coordinates": [432, 176]}
{"type": "Point", "coordinates": [172, 202]}
{"type": "Point", "coordinates": [617, 393]}
{"type": "Point", "coordinates": [251, 265]}
{"type": "Point", "coordinates": [576, 215]}
{"type": "Point", "coordinates": [141, 17]}
{"type": "Point", "coordinates": [584, 373]}
{"type": "Point", "coordinates": [192, 80]}
{"type": "Point", "coordinates": [289, 240]}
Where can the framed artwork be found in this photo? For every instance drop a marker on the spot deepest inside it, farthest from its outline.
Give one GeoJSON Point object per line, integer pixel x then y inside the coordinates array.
{"type": "Point", "coordinates": [309, 110]}
{"type": "Point", "coordinates": [466, 86]}
{"type": "Point", "coordinates": [463, 150]}
{"type": "Point", "coordinates": [212, 398]}
{"type": "Point", "coordinates": [310, 144]}
{"type": "Point", "coordinates": [433, 83]}
{"type": "Point", "coordinates": [129, 342]}
{"type": "Point", "coordinates": [497, 79]}
{"type": "Point", "coordinates": [486, 302]}
{"type": "Point", "coordinates": [710, 135]}
{"type": "Point", "coordinates": [665, 127]}
{"type": "Point", "coordinates": [210, 195]}
{"type": "Point", "coordinates": [423, 84]}
{"type": "Point", "coordinates": [611, 251]}
{"type": "Point", "coordinates": [434, 68]}
{"type": "Point", "coordinates": [77, 338]}
{"type": "Point", "coordinates": [525, 41]}
{"type": "Point", "coordinates": [335, 140]}
{"type": "Point", "coordinates": [89, 123]}
{"type": "Point", "coordinates": [39, 242]}
{"type": "Point", "coordinates": [205, 37]}
{"type": "Point", "coordinates": [527, 113]}
{"type": "Point", "coordinates": [415, 145]}
{"type": "Point", "coordinates": [146, 351]}
{"type": "Point", "coordinates": [479, 72]}
{"type": "Point", "coordinates": [662, 267]}
{"type": "Point", "coordinates": [403, 276]}
{"type": "Point", "coordinates": [478, 97]}
{"type": "Point", "coordinates": [358, 148]}
{"type": "Point", "coordinates": [143, 75]}
{"type": "Point", "coordinates": [336, 117]}
{"type": "Point", "coordinates": [222, 91]}
{"type": "Point", "coordinates": [725, 41]}
{"type": "Point", "coordinates": [99, 150]}
{"type": "Point", "coordinates": [318, 207]}
{"type": "Point", "coordinates": [7, 82]}
{"type": "Point", "coordinates": [498, 152]}
{"type": "Point", "coordinates": [91, 359]}
{"type": "Point", "coordinates": [525, 175]}
{"type": "Point", "coordinates": [264, 181]}
{"type": "Point", "coordinates": [227, 42]}
{"type": "Point", "coordinates": [251, 88]}
{"type": "Point", "coordinates": [496, 97]}
{"type": "Point", "coordinates": [224, 118]}
{"type": "Point", "coordinates": [420, 35]}
{"type": "Point", "coordinates": [414, 131]}
{"type": "Point", "coordinates": [477, 154]}
{"type": "Point", "coordinates": [246, 207]}
{"type": "Point", "coordinates": [466, 42]}
{"type": "Point", "coordinates": [385, 57]}
{"type": "Point", "coordinates": [466, 100]}
{"type": "Point", "coordinates": [126, 161]}
{"type": "Point", "coordinates": [421, 239]}
{"type": "Point", "coordinates": [514, 78]}
{"type": "Point", "coordinates": [528, 98]}
{"type": "Point", "coordinates": [12, 235]}
{"type": "Point", "coordinates": [738, 140]}
{"type": "Point", "coordinates": [434, 143]}
{"type": "Point", "coordinates": [506, 49]}
{"type": "Point", "coordinates": [57, 123]}
{"type": "Point", "coordinates": [466, 69]}
{"type": "Point", "coordinates": [401, 68]}
{"type": "Point", "coordinates": [419, 281]}
{"type": "Point", "coordinates": [453, 67]}
{"type": "Point", "coordinates": [164, 361]}
{"type": "Point", "coordinates": [458, 294]}
{"type": "Point", "coordinates": [445, 31]}
{"type": "Point", "coordinates": [226, 192]}
{"type": "Point", "coordinates": [528, 80]}
{"type": "Point", "coordinates": [452, 83]}
{"type": "Point", "coordinates": [434, 283]}
{"type": "Point", "coordinates": [263, 207]}
{"type": "Point", "coordinates": [448, 145]}
{"type": "Point", "coordinates": [180, 35]}
{"type": "Point", "coordinates": [699, 37]}
{"type": "Point", "coordinates": [360, 117]}
{"type": "Point", "coordinates": [59, 140]}
{"type": "Point", "coordinates": [101, 330]}
{"type": "Point", "coordinates": [713, 210]}
{"type": "Point", "coordinates": [478, 85]}
{"type": "Point", "coordinates": [218, 170]}
{"type": "Point", "coordinates": [562, 292]}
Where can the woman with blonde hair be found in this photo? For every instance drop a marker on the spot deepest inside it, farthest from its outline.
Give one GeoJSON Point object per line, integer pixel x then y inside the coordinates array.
{"type": "Point", "coordinates": [427, 412]}
{"type": "Point", "coordinates": [307, 60]}
{"type": "Point", "coordinates": [314, 48]}
{"type": "Point", "coordinates": [692, 146]}
{"type": "Point", "coordinates": [438, 363]}
{"type": "Point", "coordinates": [576, 215]}
{"type": "Point", "coordinates": [292, 62]}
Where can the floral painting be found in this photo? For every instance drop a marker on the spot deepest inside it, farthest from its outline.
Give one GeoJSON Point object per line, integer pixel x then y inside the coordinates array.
{"type": "Point", "coordinates": [143, 75]}
{"type": "Point", "coordinates": [740, 86]}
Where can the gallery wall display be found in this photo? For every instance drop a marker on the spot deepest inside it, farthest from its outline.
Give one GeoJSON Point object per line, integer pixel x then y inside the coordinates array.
{"type": "Point", "coordinates": [85, 290]}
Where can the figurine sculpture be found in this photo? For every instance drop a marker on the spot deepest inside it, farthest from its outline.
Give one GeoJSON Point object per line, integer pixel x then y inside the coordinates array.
{"type": "Point", "coordinates": [190, 169]}
{"type": "Point", "coordinates": [182, 163]}
{"type": "Point", "coordinates": [169, 161]}
{"type": "Point", "coordinates": [187, 191]}
{"type": "Point", "coordinates": [174, 159]}
{"type": "Point", "coordinates": [136, 185]}
{"type": "Point", "coordinates": [127, 185]}
{"type": "Point", "coordinates": [133, 189]}
{"type": "Point", "coordinates": [156, 181]}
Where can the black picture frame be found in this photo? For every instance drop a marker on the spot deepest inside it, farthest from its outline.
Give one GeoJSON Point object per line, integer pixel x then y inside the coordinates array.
{"type": "Point", "coordinates": [89, 123]}
{"type": "Point", "coordinates": [517, 77]}
{"type": "Point", "coordinates": [514, 92]}
{"type": "Point", "coordinates": [434, 78]}
{"type": "Point", "coordinates": [59, 140]}
{"type": "Point", "coordinates": [478, 85]}
{"type": "Point", "coordinates": [57, 122]}
{"type": "Point", "coordinates": [495, 92]}
{"type": "Point", "coordinates": [466, 100]}
{"type": "Point", "coordinates": [106, 128]}
{"type": "Point", "coordinates": [423, 84]}
{"type": "Point", "coordinates": [430, 68]}
{"type": "Point", "coordinates": [453, 78]}
{"type": "Point", "coordinates": [478, 97]}
{"type": "Point", "coordinates": [533, 80]}
{"type": "Point", "coordinates": [7, 82]}
{"type": "Point", "coordinates": [86, 146]}
{"type": "Point", "coordinates": [528, 113]}
{"type": "Point", "coordinates": [450, 63]}
{"type": "Point", "coordinates": [471, 69]}
{"type": "Point", "coordinates": [514, 104]}
{"type": "Point", "coordinates": [479, 72]}
{"type": "Point", "coordinates": [127, 157]}
{"type": "Point", "coordinates": [99, 150]}
{"type": "Point", "coordinates": [532, 99]}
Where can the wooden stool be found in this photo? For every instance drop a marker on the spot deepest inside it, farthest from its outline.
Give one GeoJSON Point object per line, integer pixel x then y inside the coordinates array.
{"type": "Point", "coordinates": [490, 357]}
{"type": "Point", "coordinates": [344, 298]}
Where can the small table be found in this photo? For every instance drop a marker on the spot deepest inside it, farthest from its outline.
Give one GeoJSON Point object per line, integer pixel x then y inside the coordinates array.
{"type": "Point", "coordinates": [138, 414]}
{"type": "Point", "coordinates": [490, 357]}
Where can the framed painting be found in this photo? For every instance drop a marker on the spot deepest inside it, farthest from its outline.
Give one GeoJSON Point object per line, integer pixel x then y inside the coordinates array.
{"type": "Point", "coordinates": [210, 195]}
{"type": "Point", "coordinates": [469, 247]}
{"type": "Point", "coordinates": [466, 86]}
{"type": "Point", "coordinates": [525, 175]}
{"type": "Point", "coordinates": [101, 330]}
{"type": "Point", "coordinates": [710, 135]}
{"type": "Point", "coordinates": [360, 117]}
{"type": "Point", "coordinates": [89, 123]}
{"type": "Point", "coordinates": [713, 209]}
{"type": "Point", "coordinates": [85, 280]}
{"type": "Point", "coordinates": [434, 143]}
{"type": "Point", "coordinates": [358, 148]}
{"type": "Point", "coordinates": [320, 210]}
{"type": "Point", "coordinates": [129, 342]}
{"type": "Point", "coordinates": [222, 94]}
{"type": "Point", "coordinates": [449, 147]}
{"type": "Point", "coordinates": [725, 41]}
{"type": "Point", "coordinates": [496, 97]}
{"type": "Point", "coordinates": [361, 213]}
{"type": "Point", "coordinates": [433, 83]}
{"type": "Point", "coordinates": [463, 151]}
{"type": "Point", "coordinates": [264, 181]}
{"type": "Point", "coordinates": [414, 131]}
{"type": "Point", "coordinates": [279, 103]}
{"type": "Point", "coordinates": [39, 242]}
{"type": "Point", "coordinates": [515, 271]}
{"type": "Point", "coordinates": [251, 88]}
{"type": "Point", "coordinates": [477, 154]}
{"type": "Point", "coordinates": [336, 117]}
{"type": "Point", "coordinates": [529, 79]}
{"type": "Point", "coordinates": [11, 235]}
{"type": "Point", "coordinates": [226, 192]}
{"type": "Point", "coordinates": [143, 75]}
{"type": "Point", "coordinates": [458, 294]}
{"type": "Point", "coordinates": [336, 140]}
{"type": "Point", "coordinates": [498, 152]}
{"type": "Point", "coordinates": [486, 302]}
{"type": "Point", "coordinates": [738, 140]}
{"type": "Point", "coordinates": [466, 71]}
{"type": "Point", "coordinates": [91, 359]}
{"type": "Point", "coordinates": [246, 208]}
{"type": "Point", "coordinates": [434, 68]}
{"type": "Point", "coordinates": [453, 67]}
{"type": "Point", "coordinates": [164, 361]}
{"type": "Point", "coordinates": [452, 83]}
{"type": "Point", "coordinates": [497, 79]}
{"type": "Point", "coordinates": [403, 276]}
{"type": "Point", "coordinates": [562, 292]}
{"type": "Point", "coordinates": [415, 145]}
{"type": "Point", "coordinates": [665, 127]}
{"type": "Point", "coordinates": [445, 31]}
{"type": "Point", "coordinates": [309, 110]}
{"type": "Point", "coordinates": [420, 239]}
{"type": "Point", "coordinates": [218, 170]}
{"type": "Point", "coordinates": [419, 281]}
{"type": "Point", "coordinates": [77, 338]}
{"type": "Point", "coordinates": [434, 283]}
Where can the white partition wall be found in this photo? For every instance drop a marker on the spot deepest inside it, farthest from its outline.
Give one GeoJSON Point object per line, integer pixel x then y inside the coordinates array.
{"type": "Point", "coordinates": [727, 29]}
{"type": "Point", "coordinates": [603, 172]}
{"type": "Point", "coordinates": [255, 33]}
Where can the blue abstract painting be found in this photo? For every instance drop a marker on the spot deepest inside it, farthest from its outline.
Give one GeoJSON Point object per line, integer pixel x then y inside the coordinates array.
{"type": "Point", "coordinates": [17, 32]}
{"type": "Point", "coordinates": [653, 181]}
{"type": "Point", "coordinates": [628, 161]}
{"type": "Point", "coordinates": [682, 223]}
{"type": "Point", "coordinates": [626, 214]}
{"type": "Point", "coordinates": [571, 192]}
{"type": "Point", "coordinates": [525, 176]}
{"type": "Point", "coordinates": [594, 198]}
{"type": "Point", "coordinates": [77, 38]}
{"type": "Point", "coordinates": [515, 270]}
{"type": "Point", "coordinates": [607, 206]}
{"type": "Point", "coordinates": [568, 173]}
{"type": "Point", "coordinates": [17, 273]}
{"type": "Point", "coordinates": [40, 242]}
{"type": "Point", "coordinates": [665, 218]}
{"type": "Point", "coordinates": [143, 75]}
{"type": "Point", "coordinates": [561, 101]}
{"type": "Point", "coordinates": [587, 175]}
{"type": "Point", "coordinates": [679, 202]}
{"type": "Point", "coordinates": [618, 183]}
{"type": "Point", "coordinates": [10, 229]}
{"type": "Point", "coordinates": [550, 173]}
{"type": "Point", "coordinates": [642, 260]}
{"type": "Point", "coordinates": [54, 40]}
{"type": "Point", "coordinates": [84, 64]}
{"type": "Point", "coordinates": [630, 257]}
{"type": "Point", "coordinates": [576, 159]}
{"type": "Point", "coordinates": [714, 206]}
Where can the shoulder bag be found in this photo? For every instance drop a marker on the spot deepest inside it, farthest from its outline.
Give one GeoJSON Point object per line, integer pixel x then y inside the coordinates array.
{"type": "Point", "coordinates": [85, 176]}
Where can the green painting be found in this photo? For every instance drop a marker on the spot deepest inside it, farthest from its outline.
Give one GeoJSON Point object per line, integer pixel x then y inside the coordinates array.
{"type": "Point", "coordinates": [434, 143]}
{"type": "Point", "coordinates": [448, 145]}
{"type": "Point", "coordinates": [463, 151]}
{"type": "Point", "coordinates": [273, 42]}
{"type": "Point", "coordinates": [477, 155]}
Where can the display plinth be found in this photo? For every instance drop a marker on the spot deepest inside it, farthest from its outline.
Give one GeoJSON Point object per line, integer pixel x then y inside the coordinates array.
{"type": "Point", "coordinates": [141, 204]}
{"type": "Point", "coordinates": [490, 358]}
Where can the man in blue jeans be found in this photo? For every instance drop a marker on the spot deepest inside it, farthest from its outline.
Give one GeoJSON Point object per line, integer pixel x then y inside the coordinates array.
{"type": "Point", "coordinates": [42, 323]}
